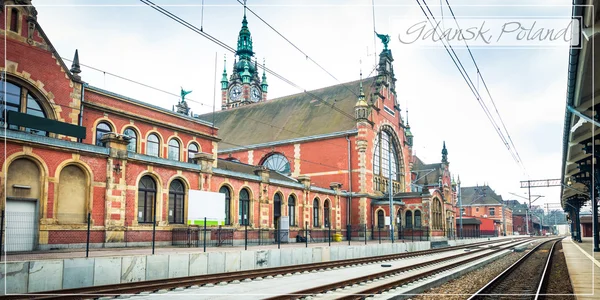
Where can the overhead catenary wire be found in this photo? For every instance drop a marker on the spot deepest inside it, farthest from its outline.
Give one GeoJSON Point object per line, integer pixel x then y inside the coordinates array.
{"type": "Point", "coordinates": [228, 48]}
{"type": "Point", "coordinates": [486, 88]}
{"type": "Point", "coordinates": [466, 77]}
{"type": "Point", "coordinates": [292, 44]}
{"type": "Point", "coordinates": [137, 82]}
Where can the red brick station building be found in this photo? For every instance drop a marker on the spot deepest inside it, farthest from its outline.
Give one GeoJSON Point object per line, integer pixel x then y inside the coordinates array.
{"type": "Point", "coordinates": [321, 157]}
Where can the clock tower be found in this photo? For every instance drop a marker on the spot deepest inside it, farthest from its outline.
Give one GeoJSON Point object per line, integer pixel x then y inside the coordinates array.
{"type": "Point", "coordinates": [244, 86]}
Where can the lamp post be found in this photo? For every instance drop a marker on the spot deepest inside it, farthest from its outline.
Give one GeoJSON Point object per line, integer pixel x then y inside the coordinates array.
{"type": "Point", "coordinates": [460, 213]}
{"type": "Point", "coordinates": [391, 195]}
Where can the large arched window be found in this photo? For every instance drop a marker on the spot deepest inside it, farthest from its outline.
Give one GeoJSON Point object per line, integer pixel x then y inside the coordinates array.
{"type": "Point", "coordinates": [326, 213]}
{"type": "Point", "coordinates": [409, 219]}
{"type": "Point", "coordinates": [72, 195]}
{"type": "Point", "coordinates": [276, 208]}
{"type": "Point", "coordinates": [146, 200]}
{"type": "Point", "coordinates": [292, 210]}
{"type": "Point", "coordinates": [101, 129]}
{"type": "Point", "coordinates": [132, 146]}
{"type": "Point", "coordinates": [225, 190]}
{"type": "Point", "coordinates": [174, 149]}
{"type": "Point", "coordinates": [153, 145]}
{"type": "Point", "coordinates": [316, 212]}
{"type": "Point", "coordinates": [417, 219]}
{"type": "Point", "coordinates": [380, 219]}
{"type": "Point", "coordinates": [244, 207]}
{"type": "Point", "coordinates": [176, 202]}
{"type": "Point", "coordinates": [192, 149]}
{"type": "Point", "coordinates": [277, 162]}
{"type": "Point", "coordinates": [386, 152]}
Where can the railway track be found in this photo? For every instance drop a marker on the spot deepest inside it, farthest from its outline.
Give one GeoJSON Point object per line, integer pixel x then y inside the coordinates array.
{"type": "Point", "coordinates": [525, 279]}
{"type": "Point", "coordinates": [183, 282]}
{"type": "Point", "coordinates": [384, 281]}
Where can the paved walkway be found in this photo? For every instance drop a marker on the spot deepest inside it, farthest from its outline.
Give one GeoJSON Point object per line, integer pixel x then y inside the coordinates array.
{"type": "Point", "coordinates": [584, 268]}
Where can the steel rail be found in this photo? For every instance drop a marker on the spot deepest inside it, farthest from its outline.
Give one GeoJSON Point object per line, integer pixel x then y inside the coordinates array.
{"type": "Point", "coordinates": [545, 274]}
{"type": "Point", "coordinates": [357, 280]}
{"type": "Point", "coordinates": [484, 291]}
{"type": "Point", "coordinates": [160, 284]}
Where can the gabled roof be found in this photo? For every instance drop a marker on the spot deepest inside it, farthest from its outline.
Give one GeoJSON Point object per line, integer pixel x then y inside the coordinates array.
{"type": "Point", "coordinates": [330, 110]}
{"type": "Point", "coordinates": [479, 195]}
{"type": "Point", "coordinates": [427, 174]}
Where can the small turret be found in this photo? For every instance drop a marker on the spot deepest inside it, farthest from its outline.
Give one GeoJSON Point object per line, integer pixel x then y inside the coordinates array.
{"type": "Point", "coordinates": [264, 84]}
{"type": "Point", "coordinates": [407, 132]}
{"type": "Point", "coordinates": [224, 81]}
{"type": "Point", "coordinates": [361, 109]}
{"type": "Point", "coordinates": [75, 69]}
{"type": "Point", "coordinates": [444, 154]}
{"type": "Point", "coordinates": [246, 75]}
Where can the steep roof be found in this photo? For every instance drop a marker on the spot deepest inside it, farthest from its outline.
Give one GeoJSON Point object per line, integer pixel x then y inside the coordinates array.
{"type": "Point", "coordinates": [517, 207]}
{"type": "Point", "coordinates": [330, 110]}
{"type": "Point", "coordinates": [428, 174]}
{"type": "Point", "coordinates": [479, 195]}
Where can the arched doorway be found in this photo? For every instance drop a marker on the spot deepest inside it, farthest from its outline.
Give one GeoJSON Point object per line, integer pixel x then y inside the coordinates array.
{"type": "Point", "coordinates": [23, 190]}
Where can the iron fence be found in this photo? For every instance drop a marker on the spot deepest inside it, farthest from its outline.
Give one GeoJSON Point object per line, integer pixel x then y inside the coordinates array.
{"type": "Point", "coordinates": [60, 234]}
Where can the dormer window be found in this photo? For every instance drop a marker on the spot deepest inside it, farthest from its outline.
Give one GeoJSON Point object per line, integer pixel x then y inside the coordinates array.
{"type": "Point", "coordinates": [14, 20]}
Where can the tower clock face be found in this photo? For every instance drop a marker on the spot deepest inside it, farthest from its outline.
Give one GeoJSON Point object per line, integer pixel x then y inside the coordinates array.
{"type": "Point", "coordinates": [255, 94]}
{"type": "Point", "coordinates": [235, 93]}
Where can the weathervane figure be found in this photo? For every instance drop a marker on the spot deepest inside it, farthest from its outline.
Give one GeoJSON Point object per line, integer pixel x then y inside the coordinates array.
{"type": "Point", "coordinates": [385, 39]}
{"type": "Point", "coordinates": [183, 93]}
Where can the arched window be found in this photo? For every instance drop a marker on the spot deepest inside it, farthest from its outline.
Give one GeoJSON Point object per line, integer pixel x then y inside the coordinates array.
{"type": "Point", "coordinates": [173, 149]}
{"type": "Point", "coordinates": [192, 149]}
{"type": "Point", "coordinates": [176, 202]}
{"type": "Point", "coordinates": [408, 219]}
{"type": "Point", "coordinates": [132, 146]}
{"type": "Point", "coordinates": [399, 218]}
{"type": "Point", "coordinates": [436, 214]}
{"type": "Point", "coordinates": [277, 162]}
{"type": "Point", "coordinates": [417, 219]}
{"type": "Point", "coordinates": [244, 207]}
{"type": "Point", "coordinates": [326, 213]}
{"type": "Point", "coordinates": [276, 208]}
{"type": "Point", "coordinates": [292, 210]}
{"type": "Point", "coordinates": [316, 212]}
{"type": "Point", "coordinates": [14, 20]}
{"type": "Point", "coordinates": [72, 195]}
{"type": "Point", "coordinates": [101, 129]}
{"type": "Point", "coordinates": [386, 144]}
{"type": "Point", "coordinates": [380, 219]}
{"type": "Point", "coordinates": [146, 200]}
{"type": "Point", "coordinates": [20, 99]}
{"type": "Point", "coordinates": [153, 145]}
{"type": "Point", "coordinates": [227, 192]}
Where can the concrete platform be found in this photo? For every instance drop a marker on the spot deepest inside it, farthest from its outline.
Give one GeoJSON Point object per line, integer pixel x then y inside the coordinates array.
{"type": "Point", "coordinates": [289, 284]}
{"type": "Point", "coordinates": [120, 266]}
{"type": "Point", "coordinates": [584, 268]}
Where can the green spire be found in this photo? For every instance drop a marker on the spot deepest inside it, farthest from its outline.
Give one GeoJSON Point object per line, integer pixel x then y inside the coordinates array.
{"type": "Point", "coordinates": [264, 84]}
{"type": "Point", "coordinates": [244, 46]}
{"type": "Point", "coordinates": [224, 81]}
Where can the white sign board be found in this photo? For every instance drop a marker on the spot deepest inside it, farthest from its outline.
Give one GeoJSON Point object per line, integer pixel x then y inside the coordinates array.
{"type": "Point", "coordinates": [209, 205]}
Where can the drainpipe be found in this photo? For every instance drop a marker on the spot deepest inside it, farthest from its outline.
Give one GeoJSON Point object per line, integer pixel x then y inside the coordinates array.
{"type": "Point", "coordinates": [80, 122]}
{"type": "Point", "coordinates": [348, 216]}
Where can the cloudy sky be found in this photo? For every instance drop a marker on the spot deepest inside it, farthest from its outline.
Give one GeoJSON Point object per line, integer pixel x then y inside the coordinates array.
{"type": "Point", "coordinates": [528, 84]}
